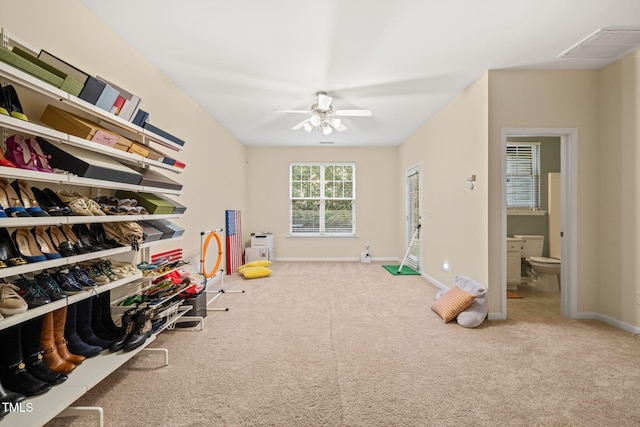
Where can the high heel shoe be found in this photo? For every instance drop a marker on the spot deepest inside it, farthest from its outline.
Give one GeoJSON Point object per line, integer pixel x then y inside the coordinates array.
{"type": "Point", "coordinates": [8, 252]}
{"type": "Point", "coordinates": [98, 235]}
{"type": "Point", "coordinates": [78, 244]}
{"type": "Point", "coordinates": [29, 201]}
{"type": "Point", "coordinates": [6, 163]}
{"type": "Point", "coordinates": [83, 233]}
{"type": "Point", "coordinates": [44, 242]}
{"type": "Point", "coordinates": [4, 104]}
{"type": "Point", "coordinates": [41, 160]}
{"type": "Point", "coordinates": [27, 246]}
{"type": "Point", "coordinates": [15, 108]}
{"type": "Point", "coordinates": [10, 201]}
{"type": "Point", "coordinates": [61, 242]}
{"type": "Point", "coordinates": [19, 153]}
{"type": "Point", "coordinates": [55, 201]}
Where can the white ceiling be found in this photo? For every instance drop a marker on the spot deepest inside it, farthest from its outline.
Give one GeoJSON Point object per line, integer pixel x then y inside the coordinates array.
{"type": "Point", "coordinates": [402, 59]}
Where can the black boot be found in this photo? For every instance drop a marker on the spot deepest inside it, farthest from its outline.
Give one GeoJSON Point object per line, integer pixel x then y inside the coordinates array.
{"type": "Point", "coordinates": [10, 396]}
{"type": "Point", "coordinates": [7, 396]}
{"type": "Point", "coordinates": [128, 325]}
{"type": "Point", "coordinates": [75, 344]}
{"type": "Point", "coordinates": [83, 325]}
{"type": "Point", "coordinates": [105, 315]}
{"type": "Point", "coordinates": [14, 373]}
{"type": "Point", "coordinates": [32, 352]}
{"type": "Point", "coordinates": [97, 322]}
{"type": "Point", "coordinates": [141, 331]}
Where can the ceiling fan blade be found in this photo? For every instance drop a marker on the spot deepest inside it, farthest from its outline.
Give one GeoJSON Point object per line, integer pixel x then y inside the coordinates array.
{"type": "Point", "coordinates": [341, 128]}
{"type": "Point", "coordinates": [293, 111]}
{"type": "Point", "coordinates": [324, 101]}
{"type": "Point", "coordinates": [300, 125]}
{"type": "Point", "coordinates": [360, 113]}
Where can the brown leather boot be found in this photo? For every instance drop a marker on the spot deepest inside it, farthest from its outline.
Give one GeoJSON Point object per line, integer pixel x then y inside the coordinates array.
{"type": "Point", "coordinates": [59, 320]}
{"type": "Point", "coordinates": [51, 357]}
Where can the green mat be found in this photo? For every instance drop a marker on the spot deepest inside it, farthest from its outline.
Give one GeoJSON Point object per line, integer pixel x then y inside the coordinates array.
{"type": "Point", "coordinates": [406, 271]}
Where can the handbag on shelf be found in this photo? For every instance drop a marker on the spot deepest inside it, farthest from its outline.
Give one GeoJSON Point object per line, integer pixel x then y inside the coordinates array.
{"type": "Point", "coordinates": [125, 233]}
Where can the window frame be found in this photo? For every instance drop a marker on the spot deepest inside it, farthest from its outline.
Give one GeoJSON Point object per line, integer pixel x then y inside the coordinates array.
{"type": "Point", "coordinates": [322, 199]}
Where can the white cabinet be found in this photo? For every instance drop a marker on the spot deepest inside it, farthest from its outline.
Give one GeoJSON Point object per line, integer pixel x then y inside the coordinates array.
{"type": "Point", "coordinates": [514, 249]}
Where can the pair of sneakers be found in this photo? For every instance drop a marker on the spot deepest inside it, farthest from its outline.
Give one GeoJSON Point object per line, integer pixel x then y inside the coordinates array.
{"type": "Point", "coordinates": [10, 301]}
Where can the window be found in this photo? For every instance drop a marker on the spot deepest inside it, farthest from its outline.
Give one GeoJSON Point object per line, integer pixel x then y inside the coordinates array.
{"type": "Point", "coordinates": [322, 199]}
{"type": "Point", "coordinates": [523, 175]}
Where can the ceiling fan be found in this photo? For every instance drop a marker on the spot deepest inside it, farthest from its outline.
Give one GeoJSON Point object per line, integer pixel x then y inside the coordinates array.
{"type": "Point", "coordinates": [323, 116]}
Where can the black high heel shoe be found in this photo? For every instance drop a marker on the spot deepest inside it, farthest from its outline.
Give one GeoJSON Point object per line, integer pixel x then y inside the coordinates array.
{"type": "Point", "coordinates": [55, 201]}
{"type": "Point", "coordinates": [61, 242]}
{"type": "Point", "coordinates": [83, 233]}
{"type": "Point", "coordinates": [98, 235]}
{"type": "Point", "coordinates": [78, 244]}
{"type": "Point", "coordinates": [8, 251]}
{"type": "Point", "coordinates": [15, 108]}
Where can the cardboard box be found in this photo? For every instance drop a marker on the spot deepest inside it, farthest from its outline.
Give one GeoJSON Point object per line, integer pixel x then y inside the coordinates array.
{"type": "Point", "coordinates": [151, 202]}
{"type": "Point", "coordinates": [88, 164]}
{"type": "Point", "coordinates": [161, 225]}
{"type": "Point", "coordinates": [138, 149]}
{"type": "Point", "coordinates": [148, 126]}
{"type": "Point", "coordinates": [152, 178]}
{"type": "Point", "coordinates": [69, 83]}
{"type": "Point", "coordinates": [257, 254]}
{"type": "Point", "coordinates": [77, 126]}
{"type": "Point", "coordinates": [29, 67]}
{"type": "Point", "coordinates": [151, 234]}
{"type": "Point", "coordinates": [63, 66]}
{"type": "Point", "coordinates": [179, 208]}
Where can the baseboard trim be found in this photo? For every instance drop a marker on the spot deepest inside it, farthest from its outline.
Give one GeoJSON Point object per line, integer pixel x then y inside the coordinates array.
{"type": "Point", "coordinates": [609, 321]}
{"type": "Point", "coordinates": [435, 282]}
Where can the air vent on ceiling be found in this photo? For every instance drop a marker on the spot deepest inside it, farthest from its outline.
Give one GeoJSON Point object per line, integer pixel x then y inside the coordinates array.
{"type": "Point", "coordinates": [327, 142]}
{"type": "Point", "coordinates": [605, 44]}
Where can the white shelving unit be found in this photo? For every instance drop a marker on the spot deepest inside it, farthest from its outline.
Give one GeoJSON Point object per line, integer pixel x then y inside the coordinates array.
{"type": "Point", "coordinates": [93, 370]}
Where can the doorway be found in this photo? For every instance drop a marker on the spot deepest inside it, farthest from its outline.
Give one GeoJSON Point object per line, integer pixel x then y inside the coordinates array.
{"type": "Point", "coordinates": [414, 175]}
{"type": "Point", "coordinates": [568, 184]}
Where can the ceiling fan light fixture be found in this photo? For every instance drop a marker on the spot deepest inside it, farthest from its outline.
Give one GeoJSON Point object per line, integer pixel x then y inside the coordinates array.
{"type": "Point", "coordinates": [315, 120]}
{"type": "Point", "coordinates": [308, 127]}
{"type": "Point", "coordinates": [326, 129]}
{"type": "Point", "coordinates": [335, 122]}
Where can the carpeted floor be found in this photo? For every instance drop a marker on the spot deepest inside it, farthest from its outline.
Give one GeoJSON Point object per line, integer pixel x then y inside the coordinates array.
{"type": "Point", "coordinates": [348, 344]}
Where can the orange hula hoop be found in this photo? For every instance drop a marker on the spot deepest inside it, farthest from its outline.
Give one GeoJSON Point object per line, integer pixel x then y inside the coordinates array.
{"type": "Point", "coordinates": [204, 254]}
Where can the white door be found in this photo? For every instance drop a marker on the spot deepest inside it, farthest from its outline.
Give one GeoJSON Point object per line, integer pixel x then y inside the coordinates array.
{"type": "Point", "coordinates": [413, 217]}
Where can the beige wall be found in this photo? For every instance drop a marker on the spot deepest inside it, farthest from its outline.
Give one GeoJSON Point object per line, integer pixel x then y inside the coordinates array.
{"type": "Point", "coordinates": [618, 188]}
{"type": "Point", "coordinates": [378, 204]}
{"type": "Point", "coordinates": [549, 99]}
{"type": "Point", "coordinates": [214, 179]}
{"type": "Point", "coordinates": [451, 146]}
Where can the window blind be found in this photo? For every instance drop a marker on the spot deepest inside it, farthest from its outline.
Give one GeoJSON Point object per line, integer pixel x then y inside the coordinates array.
{"type": "Point", "coordinates": [523, 176]}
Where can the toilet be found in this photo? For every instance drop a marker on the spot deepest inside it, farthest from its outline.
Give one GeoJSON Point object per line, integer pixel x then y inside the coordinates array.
{"type": "Point", "coordinates": [542, 273]}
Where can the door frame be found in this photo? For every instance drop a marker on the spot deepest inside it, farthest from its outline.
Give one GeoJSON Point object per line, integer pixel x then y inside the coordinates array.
{"type": "Point", "coordinates": [408, 233]}
{"type": "Point", "coordinates": [569, 221]}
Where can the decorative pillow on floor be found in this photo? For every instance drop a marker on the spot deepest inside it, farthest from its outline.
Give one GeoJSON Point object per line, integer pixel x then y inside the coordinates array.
{"type": "Point", "coordinates": [451, 303]}
{"type": "Point", "coordinates": [255, 272]}
{"type": "Point", "coordinates": [475, 314]}
{"type": "Point", "coordinates": [258, 263]}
